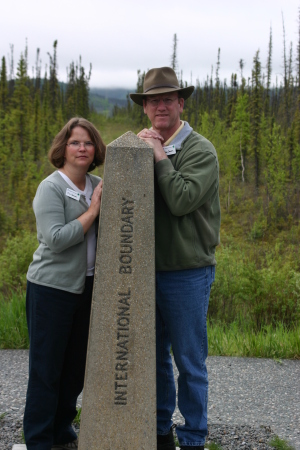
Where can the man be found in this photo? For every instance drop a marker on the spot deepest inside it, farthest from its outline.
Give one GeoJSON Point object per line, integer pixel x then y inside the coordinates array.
{"type": "Point", "coordinates": [187, 223]}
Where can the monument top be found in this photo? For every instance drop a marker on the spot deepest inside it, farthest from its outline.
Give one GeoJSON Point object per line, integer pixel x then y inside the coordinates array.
{"type": "Point", "coordinates": [129, 140]}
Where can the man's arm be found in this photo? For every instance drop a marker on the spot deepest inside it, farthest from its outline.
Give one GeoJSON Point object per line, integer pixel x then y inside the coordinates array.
{"type": "Point", "coordinates": [186, 189]}
{"type": "Point", "coordinates": [193, 183]}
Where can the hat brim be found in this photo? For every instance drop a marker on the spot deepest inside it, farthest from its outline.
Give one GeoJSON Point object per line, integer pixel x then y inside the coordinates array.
{"type": "Point", "coordinates": [184, 93]}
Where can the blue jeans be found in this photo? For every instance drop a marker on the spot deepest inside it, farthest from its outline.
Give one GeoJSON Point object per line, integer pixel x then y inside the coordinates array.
{"type": "Point", "coordinates": [181, 307]}
{"type": "Point", "coordinates": [58, 325]}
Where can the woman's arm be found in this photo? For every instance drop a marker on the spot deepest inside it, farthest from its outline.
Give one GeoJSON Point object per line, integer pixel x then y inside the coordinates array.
{"type": "Point", "coordinates": [53, 226]}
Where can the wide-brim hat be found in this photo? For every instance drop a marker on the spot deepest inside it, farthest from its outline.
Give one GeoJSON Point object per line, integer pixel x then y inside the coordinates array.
{"type": "Point", "coordinates": [161, 81]}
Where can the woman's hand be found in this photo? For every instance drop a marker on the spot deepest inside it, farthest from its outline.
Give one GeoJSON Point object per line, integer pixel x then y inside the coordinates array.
{"type": "Point", "coordinates": [87, 219]}
{"type": "Point", "coordinates": [96, 199]}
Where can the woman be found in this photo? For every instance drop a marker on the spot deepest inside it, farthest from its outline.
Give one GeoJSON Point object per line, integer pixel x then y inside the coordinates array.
{"type": "Point", "coordinates": [59, 285]}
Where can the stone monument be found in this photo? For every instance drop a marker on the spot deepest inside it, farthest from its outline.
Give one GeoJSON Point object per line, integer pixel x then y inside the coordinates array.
{"type": "Point", "coordinates": [119, 398]}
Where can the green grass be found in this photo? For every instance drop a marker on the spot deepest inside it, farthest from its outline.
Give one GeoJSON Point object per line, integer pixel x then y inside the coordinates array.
{"type": "Point", "coordinates": [78, 417]}
{"type": "Point", "coordinates": [277, 342]}
{"type": "Point", "coordinates": [270, 342]}
{"type": "Point", "coordinates": [13, 326]}
{"type": "Point", "coordinates": [280, 444]}
{"type": "Point", "coordinates": [213, 446]}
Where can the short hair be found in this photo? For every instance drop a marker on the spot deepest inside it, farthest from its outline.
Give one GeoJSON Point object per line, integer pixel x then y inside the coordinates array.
{"type": "Point", "coordinates": [57, 150]}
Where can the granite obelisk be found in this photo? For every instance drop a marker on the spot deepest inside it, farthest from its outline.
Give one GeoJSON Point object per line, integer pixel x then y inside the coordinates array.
{"type": "Point", "coordinates": [119, 398]}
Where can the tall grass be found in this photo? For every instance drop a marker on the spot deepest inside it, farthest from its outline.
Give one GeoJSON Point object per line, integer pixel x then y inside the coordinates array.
{"type": "Point", "coordinates": [271, 341]}
{"type": "Point", "coordinates": [255, 286]}
{"type": "Point", "coordinates": [13, 326]}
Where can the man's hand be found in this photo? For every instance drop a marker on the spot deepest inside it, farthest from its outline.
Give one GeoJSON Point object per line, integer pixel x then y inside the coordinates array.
{"type": "Point", "coordinates": [155, 141]}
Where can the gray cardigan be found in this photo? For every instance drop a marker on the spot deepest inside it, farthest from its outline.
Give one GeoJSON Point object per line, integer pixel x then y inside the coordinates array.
{"type": "Point", "coordinates": [60, 259]}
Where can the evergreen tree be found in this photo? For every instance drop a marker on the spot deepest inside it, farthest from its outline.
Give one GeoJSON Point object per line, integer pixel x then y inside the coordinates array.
{"type": "Point", "coordinates": [269, 75]}
{"type": "Point", "coordinates": [4, 99]}
{"type": "Point", "coordinates": [217, 97]}
{"type": "Point", "coordinates": [36, 127]}
{"type": "Point", "coordinates": [3, 89]}
{"type": "Point", "coordinates": [54, 91]}
{"type": "Point", "coordinates": [47, 116]}
{"type": "Point", "coordinates": [77, 92]}
{"type": "Point", "coordinates": [37, 71]}
{"type": "Point", "coordinates": [285, 82]}
{"type": "Point", "coordinates": [22, 105]}
{"type": "Point", "coordinates": [71, 92]}
{"type": "Point", "coordinates": [256, 111]}
{"type": "Point", "coordinates": [83, 91]}
{"type": "Point", "coordinates": [174, 61]}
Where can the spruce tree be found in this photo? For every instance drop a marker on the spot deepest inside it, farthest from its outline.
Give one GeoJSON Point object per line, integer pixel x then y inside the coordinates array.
{"type": "Point", "coordinates": [4, 99]}
{"type": "Point", "coordinates": [174, 60]}
{"type": "Point", "coordinates": [54, 91]}
{"type": "Point", "coordinates": [21, 106]}
{"type": "Point", "coordinates": [269, 75]}
{"type": "Point", "coordinates": [3, 89]}
{"type": "Point", "coordinates": [256, 110]}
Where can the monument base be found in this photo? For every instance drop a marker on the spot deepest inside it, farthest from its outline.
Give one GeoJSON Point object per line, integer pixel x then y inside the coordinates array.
{"type": "Point", "coordinates": [23, 447]}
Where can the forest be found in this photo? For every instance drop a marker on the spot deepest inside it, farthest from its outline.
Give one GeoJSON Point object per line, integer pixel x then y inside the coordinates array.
{"type": "Point", "coordinates": [255, 128]}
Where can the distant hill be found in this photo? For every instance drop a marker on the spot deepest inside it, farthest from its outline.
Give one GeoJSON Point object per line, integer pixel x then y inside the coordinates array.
{"type": "Point", "coordinates": [103, 100]}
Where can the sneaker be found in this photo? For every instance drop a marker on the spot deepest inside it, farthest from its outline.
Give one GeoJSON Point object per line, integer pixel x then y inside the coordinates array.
{"type": "Point", "coordinates": [166, 441]}
{"type": "Point", "coordinates": [67, 446]}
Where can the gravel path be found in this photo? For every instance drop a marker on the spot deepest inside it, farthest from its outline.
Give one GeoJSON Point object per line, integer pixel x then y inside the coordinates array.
{"type": "Point", "coordinates": [250, 400]}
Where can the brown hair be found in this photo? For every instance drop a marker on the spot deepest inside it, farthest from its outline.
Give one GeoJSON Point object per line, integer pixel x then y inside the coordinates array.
{"type": "Point", "coordinates": [56, 153]}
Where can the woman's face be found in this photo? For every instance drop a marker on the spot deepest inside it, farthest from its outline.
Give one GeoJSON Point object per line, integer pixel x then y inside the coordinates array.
{"type": "Point", "coordinates": [80, 150]}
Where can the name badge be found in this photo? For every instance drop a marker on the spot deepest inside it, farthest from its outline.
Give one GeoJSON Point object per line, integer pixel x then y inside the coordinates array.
{"type": "Point", "coordinates": [73, 194]}
{"type": "Point", "coordinates": [170, 150]}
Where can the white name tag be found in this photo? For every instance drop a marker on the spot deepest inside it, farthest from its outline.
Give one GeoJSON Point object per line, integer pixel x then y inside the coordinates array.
{"type": "Point", "coordinates": [170, 150]}
{"type": "Point", "coordinates": [73, 194]}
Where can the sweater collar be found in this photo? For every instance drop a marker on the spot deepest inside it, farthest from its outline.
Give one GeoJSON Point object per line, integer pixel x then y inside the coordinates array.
{"type": "Point", "coordinates": [178, 139]}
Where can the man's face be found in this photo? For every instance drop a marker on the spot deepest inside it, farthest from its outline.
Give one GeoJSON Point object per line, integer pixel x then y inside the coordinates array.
{"type": "Point", "coordinates": [164, 111]}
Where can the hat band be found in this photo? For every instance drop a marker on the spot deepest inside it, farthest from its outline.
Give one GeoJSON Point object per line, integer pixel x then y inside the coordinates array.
{"type": "Point", "coordinates": [160, 86]}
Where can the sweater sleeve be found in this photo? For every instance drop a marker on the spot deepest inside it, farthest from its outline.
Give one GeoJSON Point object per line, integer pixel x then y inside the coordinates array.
{"type": "Point", "coordinates": [49, 209]}
{"type": "Point", "coordinates": [186, 189]}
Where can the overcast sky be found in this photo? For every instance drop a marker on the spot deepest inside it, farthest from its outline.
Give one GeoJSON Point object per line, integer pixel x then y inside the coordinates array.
{"type": "Point", "coordinates": [121, 36]}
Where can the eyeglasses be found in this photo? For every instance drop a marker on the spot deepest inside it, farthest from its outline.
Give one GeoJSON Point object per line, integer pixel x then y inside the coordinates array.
{"type": "Point", "coordinates": [156, 101]}
{"type": "Point", "coordinates": [75, 145]}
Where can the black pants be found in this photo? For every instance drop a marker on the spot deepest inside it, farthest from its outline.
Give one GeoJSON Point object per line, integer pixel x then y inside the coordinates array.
{"type": "Point", "coordinates": [58, 325]}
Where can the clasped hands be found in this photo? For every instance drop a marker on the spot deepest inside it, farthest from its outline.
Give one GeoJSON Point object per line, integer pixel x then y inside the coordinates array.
{"type": "Point", "coordinates": [154, 140]}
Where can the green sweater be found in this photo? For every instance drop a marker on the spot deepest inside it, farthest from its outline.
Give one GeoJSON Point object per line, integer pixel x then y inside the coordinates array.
{"type": "Point", "coordinates": [187, 206]}
{"type": "Point", "coordinates": [60, 259]}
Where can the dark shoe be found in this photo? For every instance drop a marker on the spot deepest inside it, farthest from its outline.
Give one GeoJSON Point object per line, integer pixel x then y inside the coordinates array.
{"type": "Point", "coordinates": [198, 447]}
{"type": "Point", "coordinates": [166, 441]}
{"type": "Point", "coordinates": [67, 446]}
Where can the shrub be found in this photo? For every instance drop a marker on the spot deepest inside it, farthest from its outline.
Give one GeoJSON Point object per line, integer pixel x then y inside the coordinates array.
{"type": "Point", "coordinates": [15, 259]}
{"type": "Point", "coordinates": [252, 294]}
